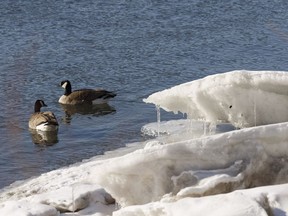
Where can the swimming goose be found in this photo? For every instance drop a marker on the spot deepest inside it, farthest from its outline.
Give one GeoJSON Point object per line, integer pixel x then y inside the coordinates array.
{"type": "Point", "coordinates": [84, 96]}
{"type": "Point", "coordinates": [43, 121]}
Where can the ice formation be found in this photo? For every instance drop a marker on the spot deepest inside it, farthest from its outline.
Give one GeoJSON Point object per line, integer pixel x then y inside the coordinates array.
{"type": "Point", "coordinates": [194, 167]}
{"type": "Point", "coordinates": [243, 98]}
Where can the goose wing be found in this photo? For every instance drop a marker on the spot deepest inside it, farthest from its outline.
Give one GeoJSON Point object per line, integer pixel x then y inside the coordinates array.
{"type": "Point", "coordinates": [41, 118]}
{"type": "Point", "coordinates": [50, 117]}
{"type": "Point", "coordinates": [89, 95]}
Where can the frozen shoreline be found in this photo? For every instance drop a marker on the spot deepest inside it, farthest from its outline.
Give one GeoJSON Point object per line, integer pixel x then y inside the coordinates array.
{"type": "Point", "coordinates": [190, 169]}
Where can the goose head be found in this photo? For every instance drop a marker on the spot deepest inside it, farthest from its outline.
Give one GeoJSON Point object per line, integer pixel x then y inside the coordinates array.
{"type": "Point", "coordinates": [38, 105]}
{"type": "Point", "coordinates": [67, 86]}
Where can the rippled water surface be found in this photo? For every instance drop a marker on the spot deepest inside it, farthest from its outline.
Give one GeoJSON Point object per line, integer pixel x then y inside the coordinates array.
{"type": "Point", "coordinates": [131, 47]}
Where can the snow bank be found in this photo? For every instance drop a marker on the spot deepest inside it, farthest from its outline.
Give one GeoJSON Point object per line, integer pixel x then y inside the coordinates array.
{"type": "Point", "coordinates": [262, 201]}
{"type": "Point", "coordinates": [204, 166]}
{"type": "Point", "coordinates": [244, 98]}
{"type": "Point", "coordinates": [24, 208]}
{"type": "Point", "coordinates": [82, 198]}
{"type": "Point", "coordinates": [193, 168]}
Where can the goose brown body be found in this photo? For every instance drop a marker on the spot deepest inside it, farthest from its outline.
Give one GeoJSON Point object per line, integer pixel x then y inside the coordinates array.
{"type": "Point", "coordinates": [44, 121]}
{"type": "Point", "coordinates": [88, 96]}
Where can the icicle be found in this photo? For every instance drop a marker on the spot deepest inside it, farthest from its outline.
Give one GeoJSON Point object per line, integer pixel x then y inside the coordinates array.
{"type": "Point", "coordinates": [158, 119]}
{"type": "Point", "coordinates": [206, 128]}
{"type": "Point", "coordinates": [255, 111]}
{"type": "Point", "coordinates": [191, 125]}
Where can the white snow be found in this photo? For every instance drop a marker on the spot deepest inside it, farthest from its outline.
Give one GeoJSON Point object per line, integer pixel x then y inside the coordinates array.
{"type": "Point", "coordinates": [255, 98]}
{"type": "Point", "coordinates": [263, 201]}
{"type": "Point", "coordinates": [197, 166]}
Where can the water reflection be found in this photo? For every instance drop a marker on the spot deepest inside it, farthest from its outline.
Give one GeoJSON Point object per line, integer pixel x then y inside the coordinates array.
{"type": "Point", "coordinates": [86, 109]}
{"type": "Point", "coordinates": [47, 138]}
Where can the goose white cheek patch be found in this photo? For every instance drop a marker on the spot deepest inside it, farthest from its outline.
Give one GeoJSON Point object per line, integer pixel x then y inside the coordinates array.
{"type": "Point", "coordinates": [64, 85]}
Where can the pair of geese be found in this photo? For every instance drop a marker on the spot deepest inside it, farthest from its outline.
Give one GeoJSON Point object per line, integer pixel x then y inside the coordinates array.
{"type": "Point", "coordinates": [46, 121]}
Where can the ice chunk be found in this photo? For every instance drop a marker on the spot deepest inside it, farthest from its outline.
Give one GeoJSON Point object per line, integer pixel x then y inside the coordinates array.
{"type": "Point", "coordinates": [243, 98]}
{"type": "Point", "coordinates": [25, 208]}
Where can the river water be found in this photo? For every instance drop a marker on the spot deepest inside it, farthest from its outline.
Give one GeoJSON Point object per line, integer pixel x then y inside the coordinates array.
{"type": "Point", "coordinates": [131, 47]}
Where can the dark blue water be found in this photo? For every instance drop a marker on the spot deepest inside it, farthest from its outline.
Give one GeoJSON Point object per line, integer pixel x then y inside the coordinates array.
{"type": "Point", "coordinates": [132, 47]}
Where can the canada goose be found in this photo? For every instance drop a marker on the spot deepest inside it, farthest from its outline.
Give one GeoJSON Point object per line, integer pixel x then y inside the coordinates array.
{"type": "Point", "coordinates": [82, 96]}
{"type": "Point", "coordinates": [43, 121]}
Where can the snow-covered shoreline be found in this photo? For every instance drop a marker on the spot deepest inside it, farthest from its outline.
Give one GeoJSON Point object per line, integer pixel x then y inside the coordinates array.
{"type": "Point", "coordinates": [193, 168]}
